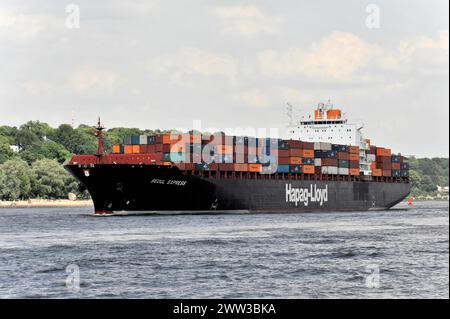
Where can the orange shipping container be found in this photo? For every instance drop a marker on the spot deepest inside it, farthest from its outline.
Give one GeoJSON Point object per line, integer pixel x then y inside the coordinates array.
{"type": "Point", "coordinates": [353, 150]}
{"type": "Point", "coordinates": [377, 172]}
{"type": "Point", "coordinates": [167, 163]}
{"type": "Point", "coordinates": [135, 149]}
{"type": "Point", "coordinates": [353, 157]}
{"type": "Point", "coordinates": [241, 167]}
{"type": "Point", "coordinates": [396, 166]}
{"type": "Point", "coordinates": [308, 169]}
{"type": "Point", "coordinates": [308, 153]}
{"type": "Point", "coordinates": [383, 151]}
{"type": "Point", "coordinates": [166, 138]}
{"type": "Point", "coordinates": [373, 165]}
{"type": "Point", "coordinates": [116, 149]}
{"type": "Point", "coordinates": [254, 167]}
{"type": "Point", "coordinates": [354, 171]}
{"type": "Point", "coordinates": [295, 160]}
{"type": "Point", "coordinates": [387, 172]}
{"type": "Point", "coordinates": [128, 149]}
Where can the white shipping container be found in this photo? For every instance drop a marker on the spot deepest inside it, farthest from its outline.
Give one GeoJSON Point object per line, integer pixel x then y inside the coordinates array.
{"type": "Point", "coordinates": [333, 170]}
{"type": "Point", "coordinates": [343, 171]}
{"type": "Point", "coordinates": [316, 146]}
{"type": "Point", "coordinates": [143, 139]}
{"type": "Point", "coordinates": [317, 162]}
{"type": "Point", "coordinates": [325, 146]}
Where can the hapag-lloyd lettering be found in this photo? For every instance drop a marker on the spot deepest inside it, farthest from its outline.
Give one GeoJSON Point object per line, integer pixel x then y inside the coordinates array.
{"type": "Point", "coordinates": [305, 195]}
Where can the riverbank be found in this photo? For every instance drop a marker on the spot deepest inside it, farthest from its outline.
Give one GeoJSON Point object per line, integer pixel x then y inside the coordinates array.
{"type": "Point", "coordinates": [32, 203]}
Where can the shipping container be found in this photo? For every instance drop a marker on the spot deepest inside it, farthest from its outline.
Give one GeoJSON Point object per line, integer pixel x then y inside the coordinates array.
{"type": "Point", "coordinates": [116, 149]}
{"type": "Point", "coordinates": [307, 146]}
{"type": "Point", "coordinates": [387, 172]}
{"type": "Point", "coordinates": [128, 149]}
{"type": "Point", "coordinates": [294, 144]}
{"type": "Point", "coordinates": [317, 162]}
{"type": "Point", "coordinates": [322, 146]}
{"type": "Point", "coordinates": [396, 166]}
{"type": "Point", "coordinates": [353, 149]}
{"type": "Point", "coordinates": [151, 140]}
{"type": "Point", "coordinates": [331, 170]}
{"type": "Point", "coordinates": [226, 167]}
{"type": "Point", "coordinates": [295, 152]}
{"type": "Point", "coordinates": [354, 171]}
{"type": "Point", "coordinates": [377, 172]}
{"type": "Point", "coordinates": [283, 160]}
{"type": "Point", "coordinates": [282, 145]}
{"type": "Point", "coordinates": [396, 173]}
{"type": "Point", "coordinates": [383, 152]}
{"type": "Point", "coordinates": [404, 173]}
{"type": "Point", "coordinates": [254, 167]}
{"type": "Point", "coordinates": [308, 161]}
{"type": "Point", "coordinates": [307, 153]}
{"type": "Point", "coordinates": [308, 169]}
{"type": "Point", "coordinates": [353, 157]}
{"type": "Point", "coordinates": [329, 162]}
{"type": "Point", "coordinates": [143, 139]}
{"type": "Point", "coordinates": [404, 166]}
{"type": "Point", "coordinates": [241, 167]}
{"type": "Point", "coordinates": [353, 164]}
{"type": "Point", "coordinates": [295, 160]}
{"type": "Point", "coordinates": [343, 156]}
{"type": "Point", "coordinates": [283, 153]}
{"type": "Point", "coordinates": [343, 171]}
{"type": "Point", "coordinates": [283, 168]}
{"type": "Point", "coordinates": [136, 149]}
{"type": "Point", "coordinates": [343, 163]}
{"type": "Point", "coordinates": [339, 148]}
{"type": "Point", "coordinates": [135, 139]}
{"type": "Point", "coordinates": [396, 158]}
{"type": "Point", "coordinates": [295, 168]}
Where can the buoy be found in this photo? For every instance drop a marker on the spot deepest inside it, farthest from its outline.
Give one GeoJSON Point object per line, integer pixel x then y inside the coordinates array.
{"type": "Point", "coordinates": [410, 201]}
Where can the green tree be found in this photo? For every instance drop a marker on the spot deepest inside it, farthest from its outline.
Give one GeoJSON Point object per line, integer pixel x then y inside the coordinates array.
{"type": "Point", "coordinates": [6, 153]}
{"type": "Point", "coordinates": [51, 180]}
{"type": "Point", "coordinates": [16, 179]}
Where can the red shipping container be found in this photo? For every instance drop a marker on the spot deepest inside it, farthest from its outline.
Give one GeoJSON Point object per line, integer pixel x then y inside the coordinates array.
{"type": "Point", "coordinates": [283, 153]}
{"type": "Point", "coordinates": [387, 172]}
{"type": "Point", "coordinates": [353, 157]}
{"type": "Point", "coordinates": [343, 156]}
{"type": "Point", "coordinates": [158, 148]}
{"type": "Point", "coordinates": [307, 145]}
{"type": "Point", "coordinates": [283, 160]}
{"type": "Point", "coordinates": [226, 167]}
{"type": "Point", "coordinates": [295, 152]}
{"type": "Point", "coordinates": [396, 166]}
{"type": "Point", "coordinates": [353, 150]}
{"type": "Point", "coordinates": [329, 162]}
{"type": "Point", "coordinates": [294, 144]}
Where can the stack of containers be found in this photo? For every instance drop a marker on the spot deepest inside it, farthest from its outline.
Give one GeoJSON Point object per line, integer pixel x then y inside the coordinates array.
{"type": "Point", "coordinates": [384, 161]}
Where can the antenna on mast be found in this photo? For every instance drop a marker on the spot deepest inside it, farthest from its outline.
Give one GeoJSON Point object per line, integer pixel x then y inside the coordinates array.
{"type": "Point", "coordinates": [290, 114]}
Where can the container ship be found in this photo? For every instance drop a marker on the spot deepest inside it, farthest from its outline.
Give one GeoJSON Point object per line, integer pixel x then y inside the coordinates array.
{"type": "Point", "coordinates": [325, 164]}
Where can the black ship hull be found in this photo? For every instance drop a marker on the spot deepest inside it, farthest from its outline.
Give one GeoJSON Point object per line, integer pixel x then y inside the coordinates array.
{"type": "Point", "coordinates": [122, 189]}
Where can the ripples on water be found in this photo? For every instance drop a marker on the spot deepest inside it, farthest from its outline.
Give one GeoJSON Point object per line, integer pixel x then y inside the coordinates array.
{"type": "Point", "coordinates": [325, 255]}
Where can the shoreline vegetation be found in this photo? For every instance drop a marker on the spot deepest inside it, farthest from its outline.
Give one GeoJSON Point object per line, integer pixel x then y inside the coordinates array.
{"type": "Point", "coordinates": [31, 158]}
{"type": "Point", "coordinates": [38, 202]}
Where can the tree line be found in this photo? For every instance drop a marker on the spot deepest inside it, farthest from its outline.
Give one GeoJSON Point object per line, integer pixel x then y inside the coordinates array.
{"type": "Point", "coordinates": [36, 170]}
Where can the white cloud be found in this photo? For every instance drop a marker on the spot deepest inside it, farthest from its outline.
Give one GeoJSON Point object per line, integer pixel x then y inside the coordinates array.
{"type": "Point", "coordinates": [88, 79]}
{"type": "Point", "coordinates": [254, 97]}
{"type": "Point", "coordinates": [344, 57]}
{"type": "Point", "coordinates": [22, 25]}
{"type": "Point", "coordinates": [183, 66]}
{"type": "Point", "coordinates": [246, 20]}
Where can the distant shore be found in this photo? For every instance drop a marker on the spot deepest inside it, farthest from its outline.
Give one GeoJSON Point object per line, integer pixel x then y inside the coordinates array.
{"type": "Point", "coordinates": [33, 203]}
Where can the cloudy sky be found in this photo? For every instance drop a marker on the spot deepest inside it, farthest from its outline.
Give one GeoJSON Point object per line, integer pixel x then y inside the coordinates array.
{"type": "Point", "coordinates": [162, 64]}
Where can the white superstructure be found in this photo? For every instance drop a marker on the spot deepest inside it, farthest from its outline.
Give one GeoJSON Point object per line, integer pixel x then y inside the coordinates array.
{"type": "Point", "coordinates": [328, 124]}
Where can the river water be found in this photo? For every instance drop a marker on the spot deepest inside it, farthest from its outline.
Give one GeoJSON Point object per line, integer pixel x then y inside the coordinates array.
{"type": "Point", "coordinates": [68, 253]}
